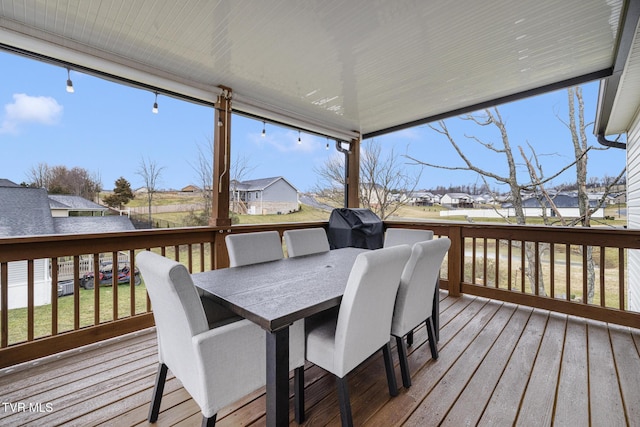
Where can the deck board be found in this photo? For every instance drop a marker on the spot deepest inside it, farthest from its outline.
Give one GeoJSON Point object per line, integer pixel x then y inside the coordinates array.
{"type": "Point", "coordinates": [603, 379]}
{"type": "Point", "coordinates": [499, 364]}
{"type": "Point", "coordinates": [572, 396]}
{"type": "Point", "coordinates": [471, 403]}
{"type": "Point", "coordinates": [504, 403]}
{"type": "Point", "coordinates": [538, 402]}
{"type": "Point", "coordinates": [627, 359]}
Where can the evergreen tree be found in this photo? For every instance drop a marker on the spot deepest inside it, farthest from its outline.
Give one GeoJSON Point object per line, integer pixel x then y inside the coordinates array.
{"type": "Point", "coordinates": [121, 194]}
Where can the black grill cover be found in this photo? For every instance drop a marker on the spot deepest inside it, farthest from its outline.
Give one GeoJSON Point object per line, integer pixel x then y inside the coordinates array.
{"type": "Point", "coordinates": [357, 228]}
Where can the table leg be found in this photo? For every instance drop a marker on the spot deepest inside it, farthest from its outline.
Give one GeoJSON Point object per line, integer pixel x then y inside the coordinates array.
{"type": "Point", "coordinates": [435, 315]}
{"type": "Point", "coordinates": [278, 377]}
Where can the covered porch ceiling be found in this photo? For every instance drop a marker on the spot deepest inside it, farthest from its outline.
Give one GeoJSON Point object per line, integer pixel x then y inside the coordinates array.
{"type": "Point", "coordinates": [344, 69]}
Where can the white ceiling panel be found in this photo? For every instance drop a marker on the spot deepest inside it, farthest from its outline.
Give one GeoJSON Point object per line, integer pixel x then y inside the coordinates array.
{"type": "Point", "coordinates": [348, 65]}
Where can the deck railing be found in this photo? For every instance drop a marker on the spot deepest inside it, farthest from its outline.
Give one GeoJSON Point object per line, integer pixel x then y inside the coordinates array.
{"type": "Point", "coordinates": [485, 260]}
{"type": "Point", "coordinates": [572, 270]}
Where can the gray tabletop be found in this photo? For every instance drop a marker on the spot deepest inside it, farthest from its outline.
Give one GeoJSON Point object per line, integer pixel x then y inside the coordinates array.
{"type": "Point", "coordinates": [275, 294]}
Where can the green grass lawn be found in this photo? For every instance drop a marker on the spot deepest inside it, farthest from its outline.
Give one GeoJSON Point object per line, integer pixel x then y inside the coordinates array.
{"type": "Point", "coordinates": [42, 314]}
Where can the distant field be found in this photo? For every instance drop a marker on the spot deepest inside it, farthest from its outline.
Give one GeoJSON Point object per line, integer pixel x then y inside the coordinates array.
{"type": "Point", "coordinates": [308, 213]}
{"type": "Point", "coordinates": [162, 199]}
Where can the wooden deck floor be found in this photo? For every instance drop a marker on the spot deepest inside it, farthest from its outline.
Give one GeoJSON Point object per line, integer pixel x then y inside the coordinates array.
{"type": "Point", "coordinates": [499, 364]}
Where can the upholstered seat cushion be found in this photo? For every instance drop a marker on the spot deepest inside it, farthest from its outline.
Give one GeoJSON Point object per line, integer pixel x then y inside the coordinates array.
{"type": "Point", "coordinates": [320, 330]}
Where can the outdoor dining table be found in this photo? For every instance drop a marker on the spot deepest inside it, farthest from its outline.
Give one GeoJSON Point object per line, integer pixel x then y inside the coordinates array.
{"type": "Point", "coordinates": [274, 295]}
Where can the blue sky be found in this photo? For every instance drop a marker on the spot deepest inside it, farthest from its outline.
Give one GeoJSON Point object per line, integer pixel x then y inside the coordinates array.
{"type": "Point", "coordinates": [108, 128]}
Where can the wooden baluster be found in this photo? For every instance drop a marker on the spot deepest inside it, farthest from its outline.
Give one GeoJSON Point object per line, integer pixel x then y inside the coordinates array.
{"type": "Point", "coordinates": [497, 273]}
{"type": "Point", "coordinates": [132, 283]}
{"type": "Point", "coordinates": [30, 298]}
{"type": "Point", "coordinates": [96, 289]}
{"type": "Point", "coordinates": [552, 270]}
{"type": "Point", "coordinates": [54, 296]}
{"type": "Point", "coordinates": [76, 292]}
{"type": "Point", "coordinates": [114, 283]}
{"type": "Point", "coordinates": [4, 305]}
{"type": "Point", "coordinates": [621, 285]}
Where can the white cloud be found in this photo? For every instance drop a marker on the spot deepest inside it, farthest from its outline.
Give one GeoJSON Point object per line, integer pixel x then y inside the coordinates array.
{"type": "Point", "coordinates": [27, 109]}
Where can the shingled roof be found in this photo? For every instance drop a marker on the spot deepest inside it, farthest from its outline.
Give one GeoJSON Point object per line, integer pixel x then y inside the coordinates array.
{"type": "Point", "coordinates": [258, 184]}
{"type": "Point", "coordinates": [75, 203]}
{"type": "Point", "coordinates": [92, 224]}
{"type": "Point", "coordinates": [26, 211]}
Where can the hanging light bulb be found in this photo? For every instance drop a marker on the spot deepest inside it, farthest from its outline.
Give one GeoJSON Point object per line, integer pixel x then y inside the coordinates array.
{"type": "Point", "coordinates": [299, 139]}
{"type": "Point", "coordinates": [327, 143]}
{"type": "Point", "coordinates": [69, 82]}
{"type": "Point", "coordinates": [220, 124]}
{"type": "Point", "coordinates": [264, 130]}
{"type": "Point", "coordinates": [154, 110]}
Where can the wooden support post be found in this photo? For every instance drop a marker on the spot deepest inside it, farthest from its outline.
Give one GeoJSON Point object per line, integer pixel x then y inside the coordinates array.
{"type": "Point", "coordinates": [353, 175]}
{"type": "Point", "coordinates": [456, 261]}
{"type": "Point", "coordinates": [221, 170]}
{"type": "Point", "coordinates": [221, 160]}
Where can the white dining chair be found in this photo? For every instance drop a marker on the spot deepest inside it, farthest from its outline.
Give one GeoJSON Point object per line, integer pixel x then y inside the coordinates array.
{"type": "Point", "coordinates": [405, 236]}
{"type": "Point", "coordinates": [340, 341]}
{"type": "Point", "coordinates": [411, 236]}
{"type": "Point", "coordinates": [216, 366]}
{"type": "Point", "coordinates": [253, 248]}
{"type": "Point", "coordinates": [306, 241]}
{"type": "Point", "coordinates": [414, 298]}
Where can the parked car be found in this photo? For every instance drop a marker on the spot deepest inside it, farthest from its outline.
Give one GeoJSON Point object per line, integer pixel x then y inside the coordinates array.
{"type": "Point", "coordinates": [106, 275]}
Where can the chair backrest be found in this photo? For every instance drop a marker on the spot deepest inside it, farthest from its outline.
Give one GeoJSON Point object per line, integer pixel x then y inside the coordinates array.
{"type": "Point", "coordinates": [177, 309]}
{"type": "Point", "coordinates": [418, 285]}
{"type": "Point", "coordinates": [405, 236]}
{"type": "Point", "coordinates": [364, 319]}
{"type": "Point", "coordinates": [253, 248]}
{"type": "Point", "coordinates": [306, 241]}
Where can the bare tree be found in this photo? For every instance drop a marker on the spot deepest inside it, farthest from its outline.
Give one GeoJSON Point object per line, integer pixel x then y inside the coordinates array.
{"type": "Point", "coordinates": [385, 185]}
{"type": "Point", "coordinates": [62, 180]}
{"type": "Point", "coordinates": [492, 118]}
{"type": "Point", "coordinates": [577, 127]}
{"type": "Point", "coordinates": [241, 167]}
{"type": "Point", "coordinates": [38, 176]}
{"type": "Point", "coordinates": [150, 173]}
{"type": "Point", "coordinates": [537, 179]}
{"type": "Point", "coordinates": [331, 180]}
{"type": "Point", "coordinates": [204, 172]}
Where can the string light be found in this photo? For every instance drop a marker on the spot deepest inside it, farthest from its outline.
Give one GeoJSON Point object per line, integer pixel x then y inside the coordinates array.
{"type": "Point", "coordinates": [154, 110]}
{"type": "Point", "coordinates": [299, 139]}
{"type": "Point", "coordinates": [327, 143]}
{"type": "Point", "coordinates": [264, 131]}
{"type": "Point", "coordinates": [69, 82]}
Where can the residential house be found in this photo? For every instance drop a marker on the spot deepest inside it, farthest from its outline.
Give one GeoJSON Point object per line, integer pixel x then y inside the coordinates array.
{"type": "Point", "coordinates": [265, 196]}
{"type": "Point", "coordinates": [457, 200]}
{"type": "Point", "coordinates": [566, 205]}
{"type": "Point", "coordinates": [421, 198]}
{"type": "Point", "coordinates": [190, 189]}
{"type": "Point", "coordinates": [28, 211]}
{"type": "Point", "coordinates": [64, 205]}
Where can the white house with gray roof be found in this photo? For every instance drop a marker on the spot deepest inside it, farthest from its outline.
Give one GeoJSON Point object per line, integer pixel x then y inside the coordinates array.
{"type": "Point", "coordinates": [28, 211]}
{"type": "Point", "coordinates": [64, 205]}
{"type": "Point", "coordinates": [266, 196]}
